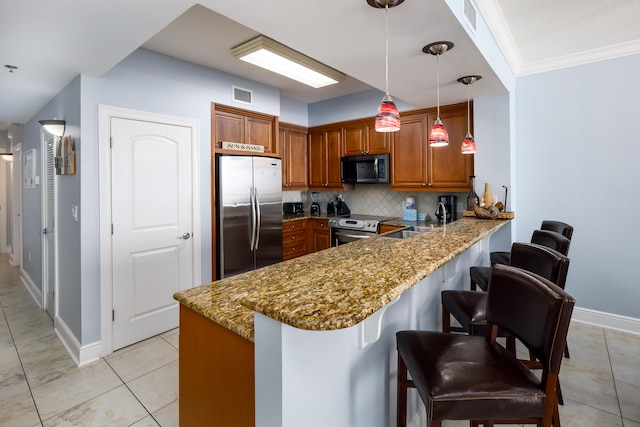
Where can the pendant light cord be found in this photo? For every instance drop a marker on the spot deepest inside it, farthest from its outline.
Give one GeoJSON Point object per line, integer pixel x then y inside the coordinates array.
{"type": "Point", "coordinates": [386, 75]}
{"type": "Point", "coordinates": [438, 82]}
{"type": "Point", "coordinates": [468, 113]}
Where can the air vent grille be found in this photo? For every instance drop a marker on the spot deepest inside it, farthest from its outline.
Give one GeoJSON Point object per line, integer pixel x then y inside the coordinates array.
{"type": "Point", "coordinates": [242, 95]}
{"type": "Point", "coordinates": [470, 13]}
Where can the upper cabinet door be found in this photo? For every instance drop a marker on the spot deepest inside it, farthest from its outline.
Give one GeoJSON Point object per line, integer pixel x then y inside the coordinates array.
{"type": "Point", "coordinates": [448, 168]}
{"type": "Point", "coordinates": [228, 127]}
{"type": "Point", "coordinates": [409, 154]}
{"type": "Point", "coordinates": [354, 143]}
{"type": "Point", "coordinates": [293, 149]}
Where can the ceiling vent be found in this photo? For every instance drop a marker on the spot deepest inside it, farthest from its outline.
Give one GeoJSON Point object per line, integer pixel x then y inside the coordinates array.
{"type": "Point", "coordinates": [470, 14]}
{"type": "Point", "coordinates": [242, 95]}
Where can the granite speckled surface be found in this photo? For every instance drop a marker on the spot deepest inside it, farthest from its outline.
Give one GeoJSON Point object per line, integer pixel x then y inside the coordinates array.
{"type": "Point", "coordinates": [335, 288]}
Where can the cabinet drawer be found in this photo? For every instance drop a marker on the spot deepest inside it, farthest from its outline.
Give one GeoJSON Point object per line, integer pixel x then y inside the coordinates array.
{"type": "Point", "coordinates": [294, 250]}
{"type": "Point", "coordinates": [298, 235]}
{"type": "Point", "coordinates": [321, 225]}
{"type": "Point", "coordinates": [293, 226]}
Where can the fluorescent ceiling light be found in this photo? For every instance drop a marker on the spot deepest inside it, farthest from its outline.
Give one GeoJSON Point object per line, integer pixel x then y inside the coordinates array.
{"type": "Point", "coordinates": [273, 56]}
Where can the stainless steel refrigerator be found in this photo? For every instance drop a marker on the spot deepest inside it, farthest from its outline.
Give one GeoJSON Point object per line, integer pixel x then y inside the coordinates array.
{"type": "Point", "coordinates": [248, 213]}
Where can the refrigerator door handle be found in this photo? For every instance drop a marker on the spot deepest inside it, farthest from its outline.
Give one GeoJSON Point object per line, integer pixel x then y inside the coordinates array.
{"type": "Point", "coordinates": [253, 218]}
{"type": "Point", "coordinates": [259, 218]}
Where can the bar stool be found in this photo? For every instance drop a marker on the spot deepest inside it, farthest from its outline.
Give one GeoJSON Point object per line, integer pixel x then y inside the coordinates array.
{"type": "Point", "coordinates": [469, 307]}
{"type": "Point", "coordinates": [462, 377]}
{"type": "Point", "coordinates": [480, 274]}
{"type": "Point", "coordinates": [559, 227]}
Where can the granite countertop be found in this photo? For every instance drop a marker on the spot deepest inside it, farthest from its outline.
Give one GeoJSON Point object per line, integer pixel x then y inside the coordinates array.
{"type": "Point", "coordinates": [335, 288]}
{"type": "Point", "coordinates": [293, 217]}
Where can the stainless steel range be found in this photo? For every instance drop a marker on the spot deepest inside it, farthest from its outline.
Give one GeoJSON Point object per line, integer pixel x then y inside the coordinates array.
{"type": "Point", "coordinates": [349, 228]}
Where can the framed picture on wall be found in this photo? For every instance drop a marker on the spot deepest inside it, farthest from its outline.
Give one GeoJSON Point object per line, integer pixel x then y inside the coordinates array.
{"type": "Point", "coordinates": [29, 172]}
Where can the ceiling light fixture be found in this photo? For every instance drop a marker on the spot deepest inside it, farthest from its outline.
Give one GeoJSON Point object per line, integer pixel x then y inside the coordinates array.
{"type": "Point", "coordinates": [11, 68]}
{"type": "Point", "coordinates": [469, 144]}
{"type": "Point", "coordinates": [438, 137]}
{"type": "Point", "coordinates": [388, 117]}
{"type": "Point", "coordinates": [278, 58]}
{"type": "Point", "coordinates": [53, 126]}
{"type": "Point", "coordinates": [7, 156]}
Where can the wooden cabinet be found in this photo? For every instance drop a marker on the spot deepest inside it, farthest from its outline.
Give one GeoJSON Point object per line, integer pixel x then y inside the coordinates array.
{"type": "Point", "coordinates": [415, 165]}
{"type": "Point", "coordinates": [324, 158]}
{"type": "Point", "coordinates": [294, 238]}
{"type": "Point", "coordinates": [245, 127]}
{"type": "Point", "coordinates": [217, 374]}
{"type": "Point", "coordinates": [320, 234]}
{"type": "Point", "coordinates": [360, 137]}
{"type": "Point", "coordinates": [293, 149]}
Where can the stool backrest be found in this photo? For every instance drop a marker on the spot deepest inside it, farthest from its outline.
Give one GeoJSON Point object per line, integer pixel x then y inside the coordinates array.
{"type": "Point", "coordinates": [541, 260]}
{"type": "Point", "coordinates": [551, 239]}
{"type": "Point", "coordinates": [534, 310]}
{"type": "Point", "coordinates": [559, 227]}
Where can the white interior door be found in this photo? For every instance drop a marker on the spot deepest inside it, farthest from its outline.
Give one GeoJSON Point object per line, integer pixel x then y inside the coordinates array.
{"type": "Point", "coordinates": [152, 214]}
{"type": "Point", "coordinates": [48, 226]}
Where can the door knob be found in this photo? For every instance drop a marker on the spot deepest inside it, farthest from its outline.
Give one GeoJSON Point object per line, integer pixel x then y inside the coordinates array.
{"type": "Point", "coordinates": [185, 236]}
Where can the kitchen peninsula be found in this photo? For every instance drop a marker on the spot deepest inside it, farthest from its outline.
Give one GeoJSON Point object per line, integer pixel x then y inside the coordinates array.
{"type": "Point", "coordinates": [313, 338]}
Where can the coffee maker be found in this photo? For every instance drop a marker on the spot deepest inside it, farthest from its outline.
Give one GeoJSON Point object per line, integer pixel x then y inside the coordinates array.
{"type": "Point", "coordinates": [449, 203]}
{"type": "Point", "coordinates": [315, 206]}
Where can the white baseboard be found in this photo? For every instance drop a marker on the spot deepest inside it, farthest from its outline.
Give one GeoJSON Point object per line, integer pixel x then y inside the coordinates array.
{"type": "Point", "coordinates": [607, 320]}
{"type": "Point", "coordinates": [31, 287]}
{"type": "Point", "coordinates": [81, 355]}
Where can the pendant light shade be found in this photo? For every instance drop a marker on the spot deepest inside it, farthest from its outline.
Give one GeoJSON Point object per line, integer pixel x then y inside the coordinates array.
{"type": "Point", "coordinates": [438, 137]}
{"type": "Point", "coordinates": [469, 144]}
{"type": "Point", "coordinates": [388, 117]}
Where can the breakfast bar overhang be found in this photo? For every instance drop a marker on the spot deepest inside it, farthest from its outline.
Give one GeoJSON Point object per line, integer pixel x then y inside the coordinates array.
{"type": "Point", "coordinates": [323, 326]}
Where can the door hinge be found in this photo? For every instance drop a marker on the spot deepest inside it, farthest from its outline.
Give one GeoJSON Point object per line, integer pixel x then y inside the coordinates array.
{"type": "Point", "coordinates": [110, 142]}
{"type": "Point", "coordinates": [113, 315]}
{"type": "Point", "coordinates": [111, 228]}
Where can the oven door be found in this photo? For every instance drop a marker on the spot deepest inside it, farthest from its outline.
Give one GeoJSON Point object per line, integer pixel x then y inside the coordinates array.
{"type": "Point", "coordinates": [340, 236]}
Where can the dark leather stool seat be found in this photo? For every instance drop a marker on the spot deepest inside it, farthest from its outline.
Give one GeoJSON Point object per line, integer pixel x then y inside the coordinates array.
{"type": "Point", "coordinates": [559, 227]}
{"type": "Point", "coordinates": [480, 274]}
{"type": "Point", "coordinates": [461, 377]}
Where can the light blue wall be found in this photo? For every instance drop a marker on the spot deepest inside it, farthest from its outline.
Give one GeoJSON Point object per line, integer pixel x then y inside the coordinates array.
{"type": "Point", "coordinates": [66, 106]}
{"type": "Point", "coordinates": [348, 107]}
{"type": "Point", "coordinates": [576, 161]}
{"type": "Point", "coordinates": [294, 112]}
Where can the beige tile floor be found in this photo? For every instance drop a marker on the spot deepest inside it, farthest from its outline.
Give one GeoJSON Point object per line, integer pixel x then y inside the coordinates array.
{"type": "Point", "coordinates": [137, 386]}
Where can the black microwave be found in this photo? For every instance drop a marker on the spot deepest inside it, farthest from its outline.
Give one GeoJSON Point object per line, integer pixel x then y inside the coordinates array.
{"type": "Point", "coordinates": [370, 169]}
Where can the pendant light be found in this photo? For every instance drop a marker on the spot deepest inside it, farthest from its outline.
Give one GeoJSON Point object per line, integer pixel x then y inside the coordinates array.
{"type": "Point", "coordinates": [388, 117]}
{"type": "Point", "coordinates": [468, 145]}
{"type": "Point", "coordinates": [438, 137]}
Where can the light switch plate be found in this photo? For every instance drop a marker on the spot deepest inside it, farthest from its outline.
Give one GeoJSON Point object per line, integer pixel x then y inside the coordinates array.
{"type": "Point", "coordinates": [74, 212]}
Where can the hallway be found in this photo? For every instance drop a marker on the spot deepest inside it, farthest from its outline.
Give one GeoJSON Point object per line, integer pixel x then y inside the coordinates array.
{"type": "Point", "coordinates": [137, 386]}
{"type": "Point", "coordinates": [41, 386]}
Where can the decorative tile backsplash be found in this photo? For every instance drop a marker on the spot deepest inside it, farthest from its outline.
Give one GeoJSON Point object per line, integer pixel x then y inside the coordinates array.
{"type": "Point", "coordinates": [375, 199]}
